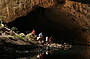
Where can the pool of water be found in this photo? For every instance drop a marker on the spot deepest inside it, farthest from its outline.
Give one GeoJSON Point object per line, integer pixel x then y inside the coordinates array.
{"type": "Point", "coordinates": [76, 52]}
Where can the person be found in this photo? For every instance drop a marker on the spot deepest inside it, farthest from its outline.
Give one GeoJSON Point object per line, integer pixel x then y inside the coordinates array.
{"type": "Point", "coordinates": [50, 40]}
{"type": "Point", "coordinates": [33, 32]}
{"type": "Point", "coordinates": [40, 38]}
{"type": "Point", "coordinates": [40, 35]}
{"type": "Point", "coordinates": [46, 40]}
{"type": "Point", "coordinates": [40, 56]}
{"type": "Point", "coordinates": [31, 35]}
{"type": "Point", "coordinates": [47, 52]}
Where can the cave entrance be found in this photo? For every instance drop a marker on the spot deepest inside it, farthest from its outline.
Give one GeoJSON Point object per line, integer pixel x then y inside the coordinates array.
{"type": "Point", "coordinates": [47, 21]}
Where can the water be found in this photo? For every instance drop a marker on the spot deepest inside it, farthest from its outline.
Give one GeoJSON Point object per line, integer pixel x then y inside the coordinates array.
{"type": "Point", "coordinates": [76, 52]}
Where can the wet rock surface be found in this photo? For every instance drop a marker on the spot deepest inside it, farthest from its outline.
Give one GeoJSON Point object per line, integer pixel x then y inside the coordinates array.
{"type": "Point", "coordinates": [8, 37]}
{"type": "Point", "coordinates": [11, 41]}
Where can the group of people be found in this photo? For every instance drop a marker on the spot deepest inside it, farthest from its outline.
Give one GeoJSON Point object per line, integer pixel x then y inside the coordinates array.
{"type": "Point", "coordinates": [42, 39]}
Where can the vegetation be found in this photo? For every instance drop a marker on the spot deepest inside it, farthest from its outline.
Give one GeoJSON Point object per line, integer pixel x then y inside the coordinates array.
{"type": "Point", "coordinates": [1, 20]}
{"type": "Point", "coordinates": [2, 17]}
{"type": "Point", "coordinates": [0, 23]}
{"type": "Point", "coordinates": [15, 29]}
{"type": "Point", "coordinates": [21, 36]}
{"type": "Point", "coordinates": [29, 37]}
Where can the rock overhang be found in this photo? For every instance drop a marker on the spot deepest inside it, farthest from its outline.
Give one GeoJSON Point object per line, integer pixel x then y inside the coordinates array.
{"type": "Point", "coordinates": [69, 14]}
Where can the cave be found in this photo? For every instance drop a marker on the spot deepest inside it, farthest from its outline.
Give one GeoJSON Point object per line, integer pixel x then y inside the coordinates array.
{"type": "Point", "coordinates": [52, 23]}
{"type": "Point", "coordinates": [82, 1]}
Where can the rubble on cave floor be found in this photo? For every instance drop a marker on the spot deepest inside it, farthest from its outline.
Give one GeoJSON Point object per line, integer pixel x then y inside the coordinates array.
{"type": "Point", "coordinates": [9, 37]}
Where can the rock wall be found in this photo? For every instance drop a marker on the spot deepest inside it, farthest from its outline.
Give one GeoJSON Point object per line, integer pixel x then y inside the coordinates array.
{"type": "Point", "coordinates": [81, 12]}
{"type": "Point", "coordinates": [12, 9]}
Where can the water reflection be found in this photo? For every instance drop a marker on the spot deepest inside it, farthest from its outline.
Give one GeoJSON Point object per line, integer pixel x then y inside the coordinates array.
{"type": "Point", "coordinates": [76, 52]}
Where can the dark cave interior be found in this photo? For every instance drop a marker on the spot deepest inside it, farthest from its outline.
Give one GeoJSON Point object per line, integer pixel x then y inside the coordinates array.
{"type": "Point", "coordinates": [37, 20]}
{"type": "Point", "coordinates": [82, 1]}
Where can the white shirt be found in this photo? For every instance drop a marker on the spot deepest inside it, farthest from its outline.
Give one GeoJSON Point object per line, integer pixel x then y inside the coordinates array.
{"type": "Point", "coordinates": [46, 38]}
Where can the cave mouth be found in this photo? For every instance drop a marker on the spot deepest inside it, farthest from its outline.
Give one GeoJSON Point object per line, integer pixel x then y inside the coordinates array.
{"type": "Point", "coordinates": [37, 20]}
